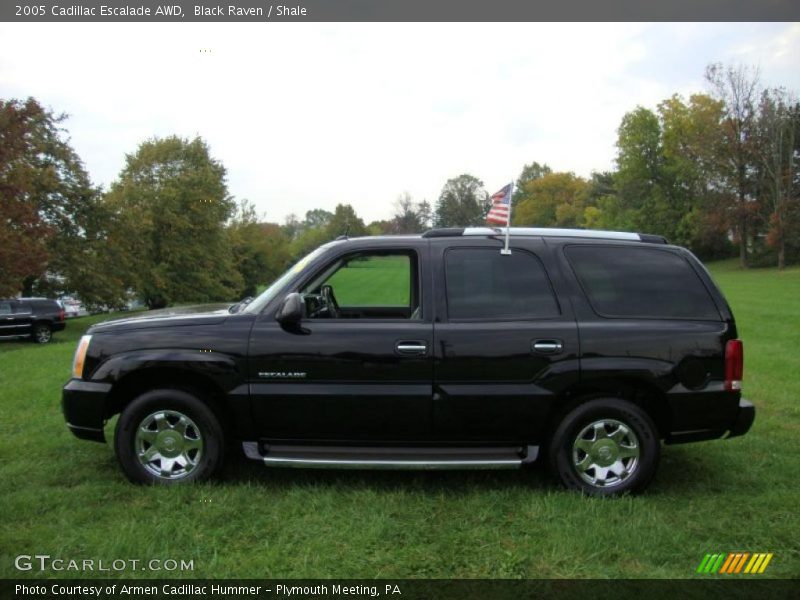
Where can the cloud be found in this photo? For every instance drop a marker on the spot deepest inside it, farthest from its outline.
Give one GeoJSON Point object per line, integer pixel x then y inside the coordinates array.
{"type": "Point", "coordinates": [310, 115]}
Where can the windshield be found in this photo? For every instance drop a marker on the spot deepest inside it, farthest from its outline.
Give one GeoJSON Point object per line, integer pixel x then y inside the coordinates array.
{"type": "Point", "coordinates": [257, 305]}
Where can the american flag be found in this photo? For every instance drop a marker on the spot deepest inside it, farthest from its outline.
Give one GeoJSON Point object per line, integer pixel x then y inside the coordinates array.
{"type": "Point", "coordinates": [501, 207]}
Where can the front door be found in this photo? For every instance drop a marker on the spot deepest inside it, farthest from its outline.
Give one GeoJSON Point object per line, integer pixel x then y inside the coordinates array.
{"type": "Point", "coordinates": [358, 368]}
{"type": "Point", "coordinates": [15, 319]}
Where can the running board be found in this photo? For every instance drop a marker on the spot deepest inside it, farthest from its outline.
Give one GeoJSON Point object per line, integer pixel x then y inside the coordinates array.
{"type": "Point", "coordinates": [372, 457]}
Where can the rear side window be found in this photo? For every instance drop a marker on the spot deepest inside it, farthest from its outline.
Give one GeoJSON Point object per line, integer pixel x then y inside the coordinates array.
{"type": "Point", "coordinates": [484, 284]}
{"type": "Point", "coordinates": [45, 305]}
{"type": "Point", "coordinates": [641, 282]}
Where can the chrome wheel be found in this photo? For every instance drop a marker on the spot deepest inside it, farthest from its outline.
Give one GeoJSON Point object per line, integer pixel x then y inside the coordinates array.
{"type": "Point", "coordinates": [605, 453]}
{"type": "Point", "coordinates": [168, 444]}
{"type": "Point", "coordinates": [43, 334]}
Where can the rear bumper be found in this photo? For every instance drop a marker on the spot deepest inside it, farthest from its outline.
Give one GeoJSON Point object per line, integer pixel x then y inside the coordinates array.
{"type": "Point", "coordinates": [741, 424]}
{"type": "Point", "coordinates": [83, 405]}
{"type": "Point", "coordinates": [744, 420]}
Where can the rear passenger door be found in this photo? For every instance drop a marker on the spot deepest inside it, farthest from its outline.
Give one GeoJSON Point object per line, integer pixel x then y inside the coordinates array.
{"type": "Point", "coordinates": [504, 344]}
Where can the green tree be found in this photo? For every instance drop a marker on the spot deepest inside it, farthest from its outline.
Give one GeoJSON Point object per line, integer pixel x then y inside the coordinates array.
{"type": "Point", "coordinates": [463, 202]}
{"type": "Point", "coordinates": [552, 200]}
{"type": "Point", "coordinates": [529, 172]}
{"type": "Point", "coordinates": [345, 221]}
{"type": "Point", "coordinates": [260, 250]}
{"type": "Point", "coordinates": [171, 204]}
{"type": "Point", "coordinates": [691, 141]}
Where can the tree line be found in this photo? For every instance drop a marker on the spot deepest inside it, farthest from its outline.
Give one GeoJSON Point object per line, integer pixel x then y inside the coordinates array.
{"type": "Point", "coordinates": [716, 172]}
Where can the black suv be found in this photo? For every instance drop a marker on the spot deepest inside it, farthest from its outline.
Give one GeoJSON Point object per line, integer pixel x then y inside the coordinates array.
{"type": "Point", "coordinates": [431, 351]}
{"type": "Point", "coordinates": [34, 318]}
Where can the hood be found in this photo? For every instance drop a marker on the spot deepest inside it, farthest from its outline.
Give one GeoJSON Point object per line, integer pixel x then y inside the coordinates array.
{"type": "Point", "coordinates": [200, 314]}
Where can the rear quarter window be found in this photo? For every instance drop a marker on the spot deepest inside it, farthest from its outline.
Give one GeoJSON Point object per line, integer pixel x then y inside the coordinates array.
{"type": "Point", "coordinates": [622, 281]}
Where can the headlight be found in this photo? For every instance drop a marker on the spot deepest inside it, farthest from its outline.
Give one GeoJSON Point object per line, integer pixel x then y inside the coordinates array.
{"type": "Point", "coordinates": [80, 356]}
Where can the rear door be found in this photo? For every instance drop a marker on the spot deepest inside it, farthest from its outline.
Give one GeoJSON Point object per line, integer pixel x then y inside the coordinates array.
{"type": "Point", "coordinates": [504, 344]}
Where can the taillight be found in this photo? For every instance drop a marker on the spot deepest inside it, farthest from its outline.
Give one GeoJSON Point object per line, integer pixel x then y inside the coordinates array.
{"type": "Point", "coordinates": [61, 315]}
{"type": "Point", "coordinates": [734, 365]}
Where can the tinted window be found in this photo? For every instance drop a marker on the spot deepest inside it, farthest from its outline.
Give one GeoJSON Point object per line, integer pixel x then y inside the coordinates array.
{"type": "Point", "coordinates": [5, 308]}
{"type": "Point", "coordinates": [45, 305]}
{"type": "Point", "coordinates": [484, 284]}
{"type": "Point", "coordinates": [641, 282]}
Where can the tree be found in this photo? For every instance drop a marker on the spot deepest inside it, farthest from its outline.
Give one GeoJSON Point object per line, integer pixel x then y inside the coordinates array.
{"type": "Point", "coordinates": [345, 221]}
{"type": "Point", "coordinates": [47, 200]}
{"type": "Point", "coordinates": [778, 145]}
{"type": "Point", "coordinates": [409, 216]}
{"type": "Point", "coordinates": [463, 202]}
{"type": "Point", "coordinates": [317, 217]}
{"type": "Point", "coordinates": [171, 204]}
{"type": "Point", "coordinates": [737, 87]}
{"type": "Point", "coordinates": [529, 172]}
{"type": "Point", "coordinates": [553, 200]}
{"type": "Point", "coordinates": [260, 250]}
{"type": "Point", "coordinates": [690, 146]}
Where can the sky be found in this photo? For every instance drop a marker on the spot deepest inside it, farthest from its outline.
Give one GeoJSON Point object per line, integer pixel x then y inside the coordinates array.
{"type": "Point", "coordinates": [309, 115]}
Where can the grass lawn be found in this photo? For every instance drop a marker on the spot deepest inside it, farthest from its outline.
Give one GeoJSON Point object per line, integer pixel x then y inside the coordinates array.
{"type": "Point", "coordinates": [377, 281]}
{"type": "Point", "coordinates": [67, 498]}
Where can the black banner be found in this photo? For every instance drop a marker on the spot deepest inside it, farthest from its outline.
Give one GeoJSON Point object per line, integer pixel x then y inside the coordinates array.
{"type": "Point", "coordinates": [399, 10]}
{"type": "Point", "coordinates": [409, 589]}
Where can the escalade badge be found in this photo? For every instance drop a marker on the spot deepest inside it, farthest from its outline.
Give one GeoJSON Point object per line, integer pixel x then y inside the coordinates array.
{"type": "Point", "coordinates": [281, 374]}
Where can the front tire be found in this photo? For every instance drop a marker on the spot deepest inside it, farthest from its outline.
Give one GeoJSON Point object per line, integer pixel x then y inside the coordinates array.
{"type": "Point", "coordinates": [605, 447]}
{"type": "Point", "coordinates": [168, 436]}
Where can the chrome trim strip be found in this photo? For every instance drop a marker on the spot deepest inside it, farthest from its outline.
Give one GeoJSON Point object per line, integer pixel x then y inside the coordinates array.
{"type": "Point", "coordinates": [326, 463]}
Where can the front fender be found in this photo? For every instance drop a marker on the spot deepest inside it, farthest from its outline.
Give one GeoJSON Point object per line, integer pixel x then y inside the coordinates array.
{"type": "Point", "coordinates": [222, 369]}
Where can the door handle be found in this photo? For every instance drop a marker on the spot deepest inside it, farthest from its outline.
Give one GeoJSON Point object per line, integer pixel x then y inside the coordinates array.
{"type": "Point", "coordinates": [547, 346]}
{"type": "Point", "coordinates": [411, 348]}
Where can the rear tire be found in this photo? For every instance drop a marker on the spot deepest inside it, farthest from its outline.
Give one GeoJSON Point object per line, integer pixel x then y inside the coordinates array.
{"type": "Point", "coordinates": [168, 437]}
{"type": "Point", "coordinates": [42, 333]}
{"type": "Point", "coordinates": [605, 447]}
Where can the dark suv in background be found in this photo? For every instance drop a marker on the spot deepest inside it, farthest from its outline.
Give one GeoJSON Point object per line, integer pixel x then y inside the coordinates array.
{"type": "Point", "coordinates": [34, 318]}
{"type": "Point", "coordinates": [589, 348]}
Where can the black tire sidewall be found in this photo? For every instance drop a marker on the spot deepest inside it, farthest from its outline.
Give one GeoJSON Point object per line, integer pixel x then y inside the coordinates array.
{"type": "Point", "coordinates": [36, 329]}
{"type": "Point", "coordinates": [560, 447]}
{"type": "Point", "coordinates": [168, 399]}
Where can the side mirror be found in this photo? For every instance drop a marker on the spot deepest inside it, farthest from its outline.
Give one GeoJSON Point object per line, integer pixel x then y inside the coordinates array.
{"type": "Point", "coordinates": [292, 310]}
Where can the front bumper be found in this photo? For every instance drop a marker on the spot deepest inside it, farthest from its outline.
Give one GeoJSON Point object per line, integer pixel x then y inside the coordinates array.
{"type": "Point", "coordinates": [744, 420]}
{"type": "Point", "coordinates": [83, 405]}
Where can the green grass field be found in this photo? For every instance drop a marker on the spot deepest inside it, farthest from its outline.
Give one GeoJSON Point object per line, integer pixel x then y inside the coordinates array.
{"type": "Point", "coordinates": [377, 281]}
{"type": "Point", "coordinates": [67, 498]}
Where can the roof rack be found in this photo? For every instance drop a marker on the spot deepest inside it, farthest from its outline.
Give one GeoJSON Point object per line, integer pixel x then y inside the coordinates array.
{"type": "Point", "coordinates": [546, 232]}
